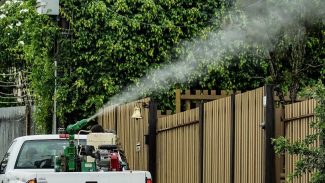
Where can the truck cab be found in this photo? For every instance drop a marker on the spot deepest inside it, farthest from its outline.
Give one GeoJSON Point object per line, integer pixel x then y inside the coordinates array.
{"type": "Point", "coordinates": [31, 159]}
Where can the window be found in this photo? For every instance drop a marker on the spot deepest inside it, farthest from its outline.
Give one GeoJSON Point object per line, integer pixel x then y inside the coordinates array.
{"type": "Point", "coordinates": [36, 154]}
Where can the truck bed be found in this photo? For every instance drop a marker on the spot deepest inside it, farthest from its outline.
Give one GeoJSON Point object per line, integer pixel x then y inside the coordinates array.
{"type": "Point", "coordinates": [91, 177]}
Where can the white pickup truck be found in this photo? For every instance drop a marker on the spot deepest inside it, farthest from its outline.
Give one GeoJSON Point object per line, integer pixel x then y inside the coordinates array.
{"type": "Point", "coordinates": [15, 169]}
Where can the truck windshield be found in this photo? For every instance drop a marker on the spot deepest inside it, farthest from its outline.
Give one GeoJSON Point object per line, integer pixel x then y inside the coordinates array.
{"type": "Point", "coordinates": [40, 154]}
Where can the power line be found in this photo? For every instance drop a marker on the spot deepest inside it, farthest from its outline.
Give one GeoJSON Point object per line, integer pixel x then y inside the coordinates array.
{"type": "Point", "coordinates": [21, 85]}
{"type": "Point", "coordinates": [17, 102]}
{"type": "Point", "coordinates": [7, 82]}
{"type": "Point", "coordinates": [8, 86]}
{"type": "Point", "coordinates": [10, 102]}
{"type": "Point", "coordinates": [11, 74]}
{"type": "Point", "coordinates": [14, 73]}
{"type": "Point", "coordinates": [16, 97]}
{"type": "Point", "coordinates": [7, 94]}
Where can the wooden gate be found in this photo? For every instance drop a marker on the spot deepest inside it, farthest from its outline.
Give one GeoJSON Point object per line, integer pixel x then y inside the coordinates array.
{"type": "Point", "coordinates": [178, 148]}
{"type": "Point", "coordinates": [234, 142]}
{"type": "Point", "coordinates": [131, 132]}
{"type": "Point", "coordinates": [217, 141]}
{"type": "Point", "coordinates": [250, 137]}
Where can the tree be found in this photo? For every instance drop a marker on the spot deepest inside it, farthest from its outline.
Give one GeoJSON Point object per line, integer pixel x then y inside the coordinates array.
{"type": "Point", "coordinates": [27, 45]}
{"type": "Point", "coordinates": [103, 47]}
{"type": "Point", "coordinates": [10, 52]}
{"type": "Point", "coordinates": [273, 49]}
{"type": "Point", "coordinates": [114, 43]}
{"type": "Point", "coordinates": [298, 60]}
{"type": "Point", "coordinates": [312, 158]}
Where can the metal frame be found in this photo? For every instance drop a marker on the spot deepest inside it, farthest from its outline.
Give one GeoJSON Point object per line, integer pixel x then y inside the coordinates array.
{"type": "Point", "coordinates": [152, 138]}
{"type": "Point", "coordinates": [269, 134]}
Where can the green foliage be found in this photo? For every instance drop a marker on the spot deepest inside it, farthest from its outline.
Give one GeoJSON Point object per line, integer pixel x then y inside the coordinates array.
{"type": "Point", "coordinates": [297, 59]}
{"type": "Point", "coordinates": [312, 158]}
{"type": "Point", "coordinates": [27, 44]}
{"type": "Point", "coordinates": [11, 54]}
{"type": "Point", "coordinates": [9, 32]}
{"type": "Point", "coordinates": [291, 60]}
{"type": "Point", "coordinates": [114, 43]}
{"type": "Point", "coordinates": [104, 46]}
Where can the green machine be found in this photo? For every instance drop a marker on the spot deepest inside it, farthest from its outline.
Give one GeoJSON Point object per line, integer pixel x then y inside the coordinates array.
{"type": "Point", "coordinates": [70, 160]}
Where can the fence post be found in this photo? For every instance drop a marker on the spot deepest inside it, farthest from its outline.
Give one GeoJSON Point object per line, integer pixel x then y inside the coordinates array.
{"type": "Point", "coordinates": [269, 134]}
{"type": "Point", "coordinates": [178, 100]}
{"type": "Point", "coordinates": [201, 141]}
{"type": "Point", "coordinates": [152, 138]}
{"type": "Point", "coordinates": [232, 138]}
{"type": "Point", "coordinates": [116, 119]}
{"type": "Point", "coordinates": [28, 119]}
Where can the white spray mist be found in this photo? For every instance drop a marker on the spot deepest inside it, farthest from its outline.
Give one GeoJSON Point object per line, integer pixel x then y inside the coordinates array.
{"type": "Point", "coordinates": [264, 20]}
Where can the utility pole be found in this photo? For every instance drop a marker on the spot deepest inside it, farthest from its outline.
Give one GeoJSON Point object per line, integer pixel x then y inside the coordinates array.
{"type": "Point", "coordinates": [52, 7]}
{"type": "Point", "coordinates": [54, 123]}
{"type": "Point", "coordinates": [56, 58]}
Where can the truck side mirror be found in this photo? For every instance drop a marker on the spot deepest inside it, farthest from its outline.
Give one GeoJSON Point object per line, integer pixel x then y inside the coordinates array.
{"type": "Point", "coordinates": [3, 166]}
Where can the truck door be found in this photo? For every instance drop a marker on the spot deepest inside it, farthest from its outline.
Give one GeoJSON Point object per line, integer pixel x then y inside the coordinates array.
{"type": "Point", "coordinates": [4, 162]}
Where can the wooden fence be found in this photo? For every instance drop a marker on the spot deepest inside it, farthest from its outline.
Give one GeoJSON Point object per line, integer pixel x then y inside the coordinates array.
{"type": "Point", "coordinates": [233, 142]}
{"type": "Point", "coordinates": [227, 140]}
{"type": "Point", "coordinates": [223, 141]}
{"type": "Point", "coordinates": [12, 125]}
{"type": "Point", "coordinates": [298, 117]}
